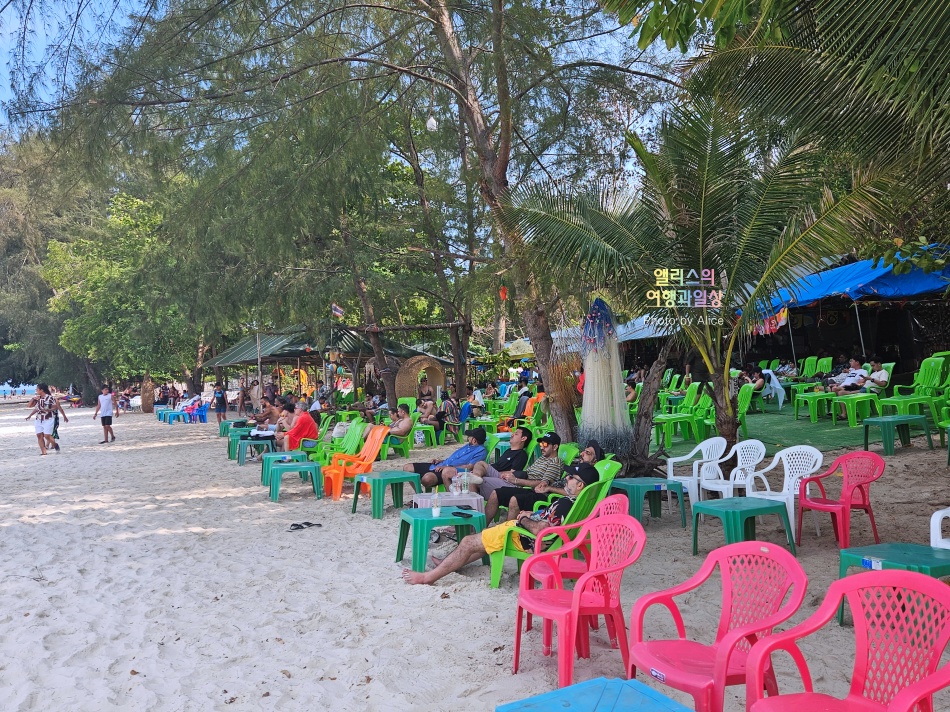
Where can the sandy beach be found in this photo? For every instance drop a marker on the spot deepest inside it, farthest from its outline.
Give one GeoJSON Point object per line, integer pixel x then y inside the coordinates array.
{"type": "Point", "coordinates": [154, 574]}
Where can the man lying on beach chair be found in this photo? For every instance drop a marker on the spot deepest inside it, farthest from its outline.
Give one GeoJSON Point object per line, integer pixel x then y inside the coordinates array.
{"type": "Point", "coordinates": [485, 477]}
{"type": "Point", "coordinates": [548, 468]}
{"type": "Point", "coordinates": [465, 457]}
{"type": "Point", "coordinates": [475, 546]}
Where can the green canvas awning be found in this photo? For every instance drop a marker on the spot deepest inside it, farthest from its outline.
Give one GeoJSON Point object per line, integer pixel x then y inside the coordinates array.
{"type": "Point", "coordinates": [245, 350]}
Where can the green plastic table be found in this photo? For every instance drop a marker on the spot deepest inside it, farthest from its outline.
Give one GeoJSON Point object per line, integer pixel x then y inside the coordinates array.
{"type": "Point", "coordinates": [902, 423]}
{"type": "Point", "coordinates": [268, 459]}
{"type": "Point", "coordinates": [396, 479]}
{"type": "Point", "coordinates": [738, 518]}
{"type": "Point", "coordinates": [898, 555]}
{"type": "Point", "coordinates": [234, 437]}
{"type": "Point", "coordinates": [812, 400]}
{"type": "Point", "coordinates": [598, 695]}
{"type": "Point", "coordinates": [422, 523]}
{"type": "Point", "coordinates": [853, 404]}
{"type": "Point", "coordinates": [243, 445]}
{"type": "Point", "coordinates": [490, 425]}
{"type": "Point", "coordinates": [345, 415]}
{"type": "Point", "coordinates": [636, 488]}
{"type": "Point", "coordinates": [312, 469]}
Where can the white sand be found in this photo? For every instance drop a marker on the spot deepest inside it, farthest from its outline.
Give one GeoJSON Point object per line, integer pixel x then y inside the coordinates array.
{"type": "Point", "coordinates": [154, 574]}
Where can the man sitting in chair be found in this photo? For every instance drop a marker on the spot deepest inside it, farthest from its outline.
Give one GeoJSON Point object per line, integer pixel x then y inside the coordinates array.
{"type": "Point", "coordinates": [465, 457]}
{"type": "Point", "coordinates": [547, 468]}
{"type": "Point", "coordinates": [486, 478]}
{"type": "Point", "coordinates": [519, 499]}
{"type": "Point", "coordinates": [475, 546]}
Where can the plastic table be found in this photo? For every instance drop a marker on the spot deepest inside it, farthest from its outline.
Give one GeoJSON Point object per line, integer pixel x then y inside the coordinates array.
{"type": "Point", "coordinates": [738, 517]}
{"type": "Point", "coordinates": [346, 415]}
{"type": "Point", "coordinates": [268, 459]}
{"type": "Point", "coordinates": [243, 445]}
{"type": "Point", "coordinates": [636, 488]}
{"type": "Point", "coordinates": [422, 522]}
{"type": "Point", "coordinates": [490, 425]}
{"type": "Point", "coordinates": [598, 695]}
{"type": "Point", "coordinates": [234, 437]}
{"type": "Point", "coordinates": [278, 469]}
{"type": "Point", "coordinates": [902, 556]}
{"type": "Point", "coordinates": [396, 479]}
{"type": "Point", "coordinates": [447, 499]}
{"type": "Point", "coordinates": [812, 400]}
{"type": "Point", "coordinates": [902, 423]}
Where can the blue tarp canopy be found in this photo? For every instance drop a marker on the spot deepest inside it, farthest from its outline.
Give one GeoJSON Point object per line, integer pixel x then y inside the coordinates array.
{"type": "Point", "coordinates": [860, 280]}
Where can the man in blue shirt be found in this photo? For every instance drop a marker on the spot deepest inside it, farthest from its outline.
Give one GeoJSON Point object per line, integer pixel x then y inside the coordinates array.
{"type": "Point", "coordinates": [463, 458]}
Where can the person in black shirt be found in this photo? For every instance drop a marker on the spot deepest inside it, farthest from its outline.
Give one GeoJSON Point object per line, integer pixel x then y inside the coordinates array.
{"type": "Point", "coordinates": [486, 478]}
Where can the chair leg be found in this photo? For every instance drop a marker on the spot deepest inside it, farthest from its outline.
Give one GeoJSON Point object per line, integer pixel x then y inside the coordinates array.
{"type": "Point", "coordinates": [514, 667]}
{"type": "Point", "coordinates": [567, 640]}
{"type": "Point", "coordinates": [620, 626]}
{"type": "Point", "coordinates": [798, 527]}
{"type": "Point", "coordinates": [877, 539]}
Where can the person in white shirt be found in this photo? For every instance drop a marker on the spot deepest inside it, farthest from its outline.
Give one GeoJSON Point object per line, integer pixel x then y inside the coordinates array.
{"type": "Point", "coordinates": [105, 409]}
{"type": "Point", "coordinates": [877, 380]}
{"type": "Point", "coordinates": [853, 379]}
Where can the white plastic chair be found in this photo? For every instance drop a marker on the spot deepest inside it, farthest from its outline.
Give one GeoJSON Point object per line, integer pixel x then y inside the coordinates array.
{"type": "Point", "coordinates": [135, 404]}
{"type": "Point", "coordinates": [936, 536]}
{"type": "Point", "coordinates": [748, 454]}
{"type": "Point", "coordinates": [711, 450]}
{"type": "Point", "coordinates": [798, 461]}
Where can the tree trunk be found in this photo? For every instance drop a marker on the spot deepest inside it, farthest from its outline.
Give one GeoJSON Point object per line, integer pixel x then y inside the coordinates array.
{"type": "Point", "coordinates": [726, 422]}
{"type": "Point", "coordinates": [148, 393]}
{"type": "Point", "coordinates": [493, 178]}
{"type": "Point", "coordinates": [94, 379]}
{"type": "Point", "coordinates": [641, 463]}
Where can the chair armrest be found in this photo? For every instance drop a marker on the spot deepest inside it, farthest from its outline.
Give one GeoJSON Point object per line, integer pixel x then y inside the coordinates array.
{"type": "Point", "coordinates": [533, 562]}
{"type": "Point", "coordinates": [665, 598]}
{"type": "Point", "coordinates": [759, 659]}
{"type": "Point", "coordinates": [815, 480]}
{"type": "Point", "coordinates": [547, 502]}
{"type": "Point", "coordinates": [561, 533]}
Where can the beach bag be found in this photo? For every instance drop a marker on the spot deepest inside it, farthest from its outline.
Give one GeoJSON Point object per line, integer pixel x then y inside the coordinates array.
{"type": "Point", "coordinates": [339, 430]}
{"type": "Point", "coordinates": [420, 438]}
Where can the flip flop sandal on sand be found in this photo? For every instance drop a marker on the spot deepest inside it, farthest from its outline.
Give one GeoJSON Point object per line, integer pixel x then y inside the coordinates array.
{"type": "Point", "coordinates": [305, 525]}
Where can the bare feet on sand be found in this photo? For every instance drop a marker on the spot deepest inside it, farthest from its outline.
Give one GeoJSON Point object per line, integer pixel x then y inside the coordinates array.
{"type": "Point", "coordinates": [413, 577]}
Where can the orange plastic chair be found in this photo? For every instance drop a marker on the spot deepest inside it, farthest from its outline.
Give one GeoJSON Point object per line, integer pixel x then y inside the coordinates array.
{"type": "Point", "coordinates": [756, 577]}
{"type": "Point", "coordinates": [343, 465]}
{"type": "Point", "coordinates": [616, 541]}
{"type": "Point", "coordinates": [860, 469]}
{"type": "Point", "coordinates": [901, 629]}
{"type": "Point", "coordinates": [503, 423]}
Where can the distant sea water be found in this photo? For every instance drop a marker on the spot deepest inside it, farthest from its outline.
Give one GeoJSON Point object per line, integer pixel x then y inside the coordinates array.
{"type": "Point", "coordinates": [6, 390]}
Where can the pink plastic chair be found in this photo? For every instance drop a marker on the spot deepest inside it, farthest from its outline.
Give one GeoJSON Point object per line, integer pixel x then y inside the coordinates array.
{"type": "Point", "coordinates": [860, 469]}
{"type": "Point", "coordinates": [616, 541]}
{"type": "Point", "coordinates": [569, 565]}
{"type": "Point", "coordinates": [756, 577]}
{"type": "Point", "coordinates": [901, 628]}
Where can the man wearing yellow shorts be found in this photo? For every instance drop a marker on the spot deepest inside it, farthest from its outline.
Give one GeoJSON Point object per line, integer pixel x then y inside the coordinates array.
{"type": "Point", "coordinates": [475, 546]}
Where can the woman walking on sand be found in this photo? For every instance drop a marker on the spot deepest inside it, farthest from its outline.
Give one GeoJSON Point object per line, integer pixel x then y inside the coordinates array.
{"type": "Point", "coordinates": [106, 406]}
{"type": "Point", "coordinates": [44, 408]}
{"type": "Point", "coordinates": [220, 398]}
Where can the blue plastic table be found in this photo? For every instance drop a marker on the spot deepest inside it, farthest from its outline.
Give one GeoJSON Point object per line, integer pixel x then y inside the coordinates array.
{"type": "Point", "coordinates": [599, 695]}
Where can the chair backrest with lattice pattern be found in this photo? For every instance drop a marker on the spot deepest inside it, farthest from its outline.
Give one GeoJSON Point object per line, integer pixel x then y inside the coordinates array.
{"type": "Point", "coordinates": [860, 469]}
{"type": "Point", "coordinates": [901, 629]}
{"type": "Point", "coordinates": [748, 454]}
{"type": "Point", "coordinates": [756, 578]}
{"type": "Point", "coordinates": [616, 541]}
{"type": "Point", "coordinates": [799, 462]}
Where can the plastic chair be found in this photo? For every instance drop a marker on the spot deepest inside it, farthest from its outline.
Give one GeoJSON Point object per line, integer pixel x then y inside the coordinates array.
{"type": "Point", "coordinates": [711, 450]}
{"type": "Point", "coordinates": [347, 445]}
{"type": "Point", "coordinates": [615, 542]}
{"type": "Point", "coordinates": [825, 365]}
{"type": "Point", "coordinates": [608, 469]}
{"type": "Point", "coordinates": [343, 465]}
{"type": "Point", "coordinates": [937, 539]}
{"type": "Point", "coordinates": [798, 462]}
{"type": "Point", "coordinates": [567, 452]}
{"type": "Point", "coordinates": [810, 368]}
{"type": "Point", "coordinates": [860, 469]}
{"type": "Point", "coordinates": [748, 454]}
{"type": "Point", "coordinates": [773, 364]}
{"type": "Point", "coordinates": [756, 577]}
{"type": "Point", "coordinates": [428, 431]}
{"type": "Point", "coordinates": [901, 629]}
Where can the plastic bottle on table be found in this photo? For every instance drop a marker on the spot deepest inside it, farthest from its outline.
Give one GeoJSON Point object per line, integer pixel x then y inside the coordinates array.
{"type": "Point", "coordinates": [436, 505]}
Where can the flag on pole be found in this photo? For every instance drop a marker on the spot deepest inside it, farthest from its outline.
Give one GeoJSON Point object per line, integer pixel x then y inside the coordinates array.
{"type": "Point", "coordinates": [336, 310]}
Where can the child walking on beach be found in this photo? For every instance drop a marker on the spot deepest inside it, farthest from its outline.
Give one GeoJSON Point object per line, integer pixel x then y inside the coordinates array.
{"type": "Point", "coordinates": [106, 407]}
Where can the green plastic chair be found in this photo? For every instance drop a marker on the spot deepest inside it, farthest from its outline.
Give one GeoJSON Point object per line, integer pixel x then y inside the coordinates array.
{"type": "Point", "coordinates": [810, 368]}
{"type": "Point", "coordinates": [428, 431]}
{"type": "Point", "coordinates": [568, 451]}
{"type": "Point", "coordinates": [580, 510]}
{"type": "Point", "coordinates": [763, 363]}
{"type": "Point", "coordinates": [608, 469]}
{"type": "Point", "coordinates": [349, 444]}
{"type": "Point", "coordinates": [773, 364]}
{"type": "Point", "coordinates": [689, 399]}
{"type": "Point", "coordinates": [411, 402]}
{"type": "Point", "coordinates": [743, 401]}
{"type": "Point", "coordinates": [703, 417]}
{"type": "Point", "coordinates": [926, 380]}
{"type": "Point", "coordinates": [825, 365]}
{"type": "Point", "coordinates": [667, 375]}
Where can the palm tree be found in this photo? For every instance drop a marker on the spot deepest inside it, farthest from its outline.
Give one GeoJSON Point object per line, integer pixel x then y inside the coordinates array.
{"type": "Point", "coordinates": [706, 203]}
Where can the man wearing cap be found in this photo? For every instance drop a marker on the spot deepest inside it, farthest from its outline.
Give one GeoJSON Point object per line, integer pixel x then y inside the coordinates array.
{"type": "Point", "coordinates": [475, 546]}
{"type": "Point", "coordinates": [519, 499]}
{"type": "Point", "coordinates": [465, 457]}
{"type": "Point", "coordinates": [303, 428]}
{"type": "Point", "coordinates": [486, 478]}
{"type": "Point", "coordinates": [547, 468]}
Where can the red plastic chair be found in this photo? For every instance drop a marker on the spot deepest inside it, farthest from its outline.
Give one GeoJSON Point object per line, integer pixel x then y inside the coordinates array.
{"type": "Point", "coordinates": [570, 566]}
{"type": "Point", "coordinates": [756, 578]}
{"type": "Point", "coordinates": [616, 541]}
{"type": "Point", "coordinates": [860, 469]}
{"type": "Point", "coordinates": [901, 628]}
